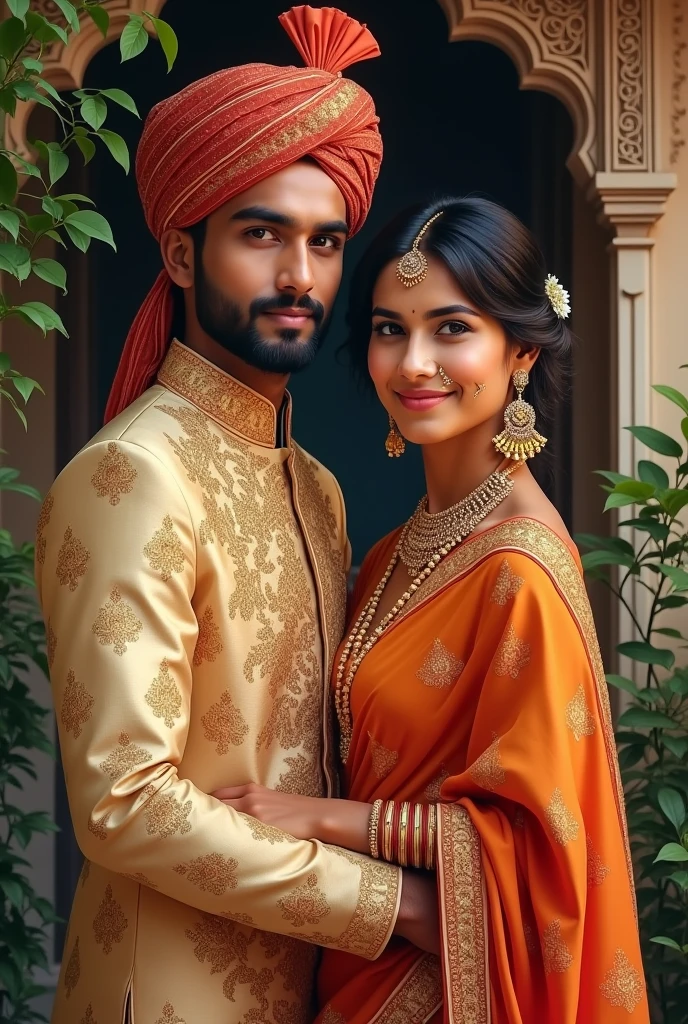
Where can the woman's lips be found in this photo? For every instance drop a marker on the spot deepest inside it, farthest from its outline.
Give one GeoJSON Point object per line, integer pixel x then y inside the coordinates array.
{"type": "Point", "coordinates": [419, 401]}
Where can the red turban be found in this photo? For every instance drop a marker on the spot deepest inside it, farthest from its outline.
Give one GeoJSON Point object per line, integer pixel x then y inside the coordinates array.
{"type": "Point", "coordinates": [224, 133]}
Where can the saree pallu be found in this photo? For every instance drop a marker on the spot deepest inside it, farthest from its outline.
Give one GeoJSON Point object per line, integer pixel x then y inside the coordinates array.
{"type": "Point", "coordinates": [487, 696]}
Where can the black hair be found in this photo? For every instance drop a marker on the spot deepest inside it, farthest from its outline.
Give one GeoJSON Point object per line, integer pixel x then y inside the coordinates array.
{"type": "Point", "coordinates": [499, 266]}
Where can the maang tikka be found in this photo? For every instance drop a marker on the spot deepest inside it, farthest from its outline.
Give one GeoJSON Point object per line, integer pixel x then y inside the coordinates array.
{"type": "Point", "coordinates": [412, 268]}
{"type": "Point", "coordinates": [519, 440]}
{"type": "Point", "coordinates": [394, 443]}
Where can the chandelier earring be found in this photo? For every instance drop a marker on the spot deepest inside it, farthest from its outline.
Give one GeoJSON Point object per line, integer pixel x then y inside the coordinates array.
{"type": "Point", "coordinates": [394, 443]}
{"type": "Point", "coordinates": [519, 440]}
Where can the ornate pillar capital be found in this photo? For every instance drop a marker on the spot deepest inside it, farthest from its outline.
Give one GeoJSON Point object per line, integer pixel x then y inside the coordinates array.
{"type": "Point", "coordinates": [631, 202]}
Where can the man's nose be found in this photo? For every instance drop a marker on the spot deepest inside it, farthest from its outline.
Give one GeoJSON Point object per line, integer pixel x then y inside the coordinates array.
{"type": "Point", "coordinates": [295, 273]}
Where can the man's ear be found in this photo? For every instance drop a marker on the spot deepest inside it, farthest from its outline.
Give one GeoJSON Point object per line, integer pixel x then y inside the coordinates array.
{"type": "Point", "coordinates": [177, 251]}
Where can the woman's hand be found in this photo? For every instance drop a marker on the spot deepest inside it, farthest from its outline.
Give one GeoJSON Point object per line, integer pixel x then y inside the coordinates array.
{"type": "Point", "coordinates": [340, 822]}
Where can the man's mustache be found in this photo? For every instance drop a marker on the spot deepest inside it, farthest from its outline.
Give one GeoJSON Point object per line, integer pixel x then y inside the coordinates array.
{"type": "Point", "coordinates": [312, 306]}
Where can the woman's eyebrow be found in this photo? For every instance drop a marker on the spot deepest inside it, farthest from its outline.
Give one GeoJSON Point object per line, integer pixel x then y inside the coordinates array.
{"type": "Point", "coordinates": [445, 310]}
{"type": "Point", "coordinates": [381, 311]}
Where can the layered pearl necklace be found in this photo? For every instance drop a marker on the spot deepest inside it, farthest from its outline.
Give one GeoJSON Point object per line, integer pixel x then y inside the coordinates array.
{"type": "Point", "coordinates": [462, 519]}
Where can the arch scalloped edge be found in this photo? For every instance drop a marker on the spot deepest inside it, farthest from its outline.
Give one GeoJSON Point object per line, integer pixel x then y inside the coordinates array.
{"type": "Point", "coordinates": [65, 66]}
{"type": "Point", "coordinates": [561, 78]}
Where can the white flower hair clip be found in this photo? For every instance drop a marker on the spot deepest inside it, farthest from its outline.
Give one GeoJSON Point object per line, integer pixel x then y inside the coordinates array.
{"type": "Point", "coordinates": [558, 297]}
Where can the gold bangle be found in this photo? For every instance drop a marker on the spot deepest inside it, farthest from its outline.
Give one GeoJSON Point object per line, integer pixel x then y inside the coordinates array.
{"type": "Point", "coordinates": [387, 834]}
{"type": "Point", "coordinates": [403, 824]}
{"type": "Point", "coordinates": [417, 820]}
{"type": "Point", "coordinates": [432, 829]}
{"type": "Point", "coordinates": [373, 827]}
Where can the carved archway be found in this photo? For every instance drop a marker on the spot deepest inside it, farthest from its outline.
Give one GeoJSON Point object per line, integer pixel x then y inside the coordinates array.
{"type": "Point", "coordinates": [65, 66]}
{"type": "Point", "coordinates": [550, 42]}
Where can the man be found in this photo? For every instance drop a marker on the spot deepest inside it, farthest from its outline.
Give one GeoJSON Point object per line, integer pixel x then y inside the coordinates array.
{"type": "Point", "coordinates": [191, 565]}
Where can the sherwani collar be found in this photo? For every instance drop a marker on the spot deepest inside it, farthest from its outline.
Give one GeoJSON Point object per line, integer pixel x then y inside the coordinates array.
{"type": "Point", "coordinates": [230, 403]}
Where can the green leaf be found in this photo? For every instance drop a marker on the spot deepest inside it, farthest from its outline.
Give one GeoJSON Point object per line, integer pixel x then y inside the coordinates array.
{"type": "Point", "coordinates": [28, 168]}
{"type": "Point", "coordinates": [117, 146]}
{"type": "Point", "coordinates": [673, 807]}
{"type": "Point", "coordinates": [94, 111]}
{"type": "Point", "coordinates": [680, 878]}
{"type": "Point", "coordinates": [678, 685]}
{"type": "Point", "coordinates": [8, 101]}
{"type": "Point", "coordinates": [673, 395]}
{"type": "Point", "coordinates": [52, 207]}
{"type": "Point", "coordinates": [52, 91]}
{"type": "Point", "coordinates": [8, 181]}
{"type": "Point", "coordinates": [100, 18]}
{"type": "Point", "coordinates": [669, 631]}
{"type": "Point", "coordinates": [43, 30]}
{"type": "Point", "coordinates": [58, 164]}
{"type": "Point", "coordinates": [674, 499]}
{"type": "Point", "coordinates": [594, 559]}
{"type": "Point", "coordinates": [684, 427]}
{"type": "Point", "coordinates": [618, 501]}
{"type": "Point", "coordinates": [679, 577]}
{"type": "Point", "coordinates": [87, 147]}
{"type": "Point", "coordinates": [663, 940]}
{"type": "Point", "coordinates": [168, 40]}
{"type": "Point", "coordinates": [639, 650]}
{"type": "Point", "coordinates": [121, 97]}
{"type": "Point", "coordinates": [677, 745]}
{"type": "Point", "coordinates": [16, 256]}
{"type": "Point", "coordinates": [15, 894]}
{"type": "Point", "coordinates": [611, 476]}
{"type": "Point", "coordinates": [134, 38]}
{"type": "Point", "coordinates": [622, 683]}
{"type": "Point", "coordinates": [26, 90]}
{"type": "Point", "coordinates": [74, 196]}
{"type": "Point", "coordinates": [657, 441]}
{"type": "Point", "coordinates": [18, 7]}
{"type": "Point", "coordinates": [4, 367]}
{"type": "Point", "coordinates": [43, 316]}
{"type": "Point", "coordinates": [32, 65]}
{"type": "Point", "coordinates": [10, 222]}
{"type": "Point", "coordinates": [25, 386]}
{"type": "Point", "coordinates": [80, 240]}
{"type": "Point", "coordinates": [92, 224]}
{"type": "Point", "coordinates": [69, 11]}
{"type": "Point", "coordinates": [658, 531]}
{"type": "Point", "coordinates": [51, 271]}
{"type": "Point", "coordinates": [672, 601]}
{"type": "Point", "coordinates": [644, 718]}
{"type": "Point", "coordinates": [12, 37]}
{"type": "Point", "coordinates": [636, 489]}
{"type": "Point", "coordinates": [672, 852]}
{"type": "Point", "coordinates": [651, 473]}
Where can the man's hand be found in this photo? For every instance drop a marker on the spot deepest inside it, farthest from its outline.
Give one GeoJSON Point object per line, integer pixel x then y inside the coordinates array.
{"type": "Point", "coordinates": [418, 919]}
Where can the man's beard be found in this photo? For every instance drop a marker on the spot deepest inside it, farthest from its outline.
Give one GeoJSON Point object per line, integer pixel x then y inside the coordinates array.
{"type": "Point", "coordinates": [222, 320]}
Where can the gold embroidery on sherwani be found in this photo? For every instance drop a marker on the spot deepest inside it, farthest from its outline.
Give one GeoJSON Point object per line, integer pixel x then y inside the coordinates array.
{"type": "Point", "coordinates": [72, 561]}
{"type": "Point", "coordinates": [169, 1016]}
{"type": "Point", "coordinates": [212, 873]}
{"type": "Point", "coordinates": [114, 475]}
{"type": "Point", "coordinates": [578, 715]}
{"type": "Point", "coordinates": [85, 872]}
{"type": "Point", "coordinates": [513, 655]}
{"type": "Point", "coordinates": [117, 624]}
{"type": "Point", "coordinates": [88, 1017]}
{"type": "Point", "coordinates": [164, 550]}
{"type": "Point", "coordinates": [43, 520]}
{"type": "Point", "coordinates": [461, 881]}
{"type": "Point", "coordinates": [487, 770]}
{"type": "Point", "coordinates": [50, 644]}
{"type": "Point", "coordinates": [417, 996]}
{"type": "Point", "coordinates": [507, 586]}
{"type": "Point", "coordinates": [110, 923]}
{"type": "Point", "coordinates": [259, 831]}
{"type": "Point", "coordinates": [597, 870]}
{"type": "Point", "coordinates": [305, 904]}
{"type": "Point", "coordinates": [382, 758]}
{"type": "Point", "coordinates": [561, 821]}
{"type": "Point", "coordinates": [164, 696]}
{"type": "Point", "coordinates": [623, 984]}
{"type": "Point", "coordinates": [165, 816]}
{"type": "Point", "coordinates": [432, 790]}
{"type": "Point", "coordinates": [539, 543]}
{"type": "Point", "coordinates": [124, 757]}
{"type": "Point", "coordinates": [555, 953]}
{"type": "Point", "coordinates": [223, 724]}
{"type": "Point", "coordinates": [76, 705]}
{"type": "Point", "coordinates": [73, 969]}
{"type": "Point", "coordinates": [98, 827]}
{"type": "Point", "coordinates": [140, 879]}
{"type": "Point", "coordinates": [303, 777]}
{"type": "Point", "coordinates": [208, 644]}
{"type": "Point", "coordinates": [440, 667]}
{"type": "Point", "coordinates": [330, 1016]}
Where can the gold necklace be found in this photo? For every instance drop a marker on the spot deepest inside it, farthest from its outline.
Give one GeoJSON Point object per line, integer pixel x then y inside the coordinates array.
{"type": "Point", "coordinates": [429, 532]}
{"type": "Point", "coordinates": [358, 643]}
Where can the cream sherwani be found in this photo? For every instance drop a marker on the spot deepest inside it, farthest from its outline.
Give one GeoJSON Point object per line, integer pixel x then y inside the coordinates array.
{"type": "Point", "coordinates": [192, 578]}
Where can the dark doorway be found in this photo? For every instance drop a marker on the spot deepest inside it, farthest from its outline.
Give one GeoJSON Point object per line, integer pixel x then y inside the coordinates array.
{"type": "Point", "coordinates": [453, 122]}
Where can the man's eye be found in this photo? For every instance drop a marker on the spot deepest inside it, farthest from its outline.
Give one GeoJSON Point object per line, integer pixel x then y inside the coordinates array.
{"type": "Point", "coordinates": [260, 233]}
{"type": "Point", "coordinates": [325, 242]}
{"type": "Point", "coordinates": [388, 328]}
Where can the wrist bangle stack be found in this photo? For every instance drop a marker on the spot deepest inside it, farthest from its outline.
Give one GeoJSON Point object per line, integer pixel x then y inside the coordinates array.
{"type": "Point", "coordinates": [403, 833]}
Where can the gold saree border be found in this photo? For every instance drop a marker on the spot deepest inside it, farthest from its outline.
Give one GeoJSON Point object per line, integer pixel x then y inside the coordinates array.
{"type": "Point", "coordinates": [416, 998]}
{"type": "Point", "coordinates": [463, 917]}
{"type": "Point", "coordinates": [540, 543]}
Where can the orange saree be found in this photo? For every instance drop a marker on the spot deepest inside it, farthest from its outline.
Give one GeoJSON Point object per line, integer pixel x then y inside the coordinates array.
{"type": "Point", "coordinates": [487, 696]}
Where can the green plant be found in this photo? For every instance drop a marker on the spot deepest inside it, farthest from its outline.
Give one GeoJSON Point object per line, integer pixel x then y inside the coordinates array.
{"type": "Point", "coordinates": [26, 218]}
{"type": "Point", "coordinates": [653, 730]}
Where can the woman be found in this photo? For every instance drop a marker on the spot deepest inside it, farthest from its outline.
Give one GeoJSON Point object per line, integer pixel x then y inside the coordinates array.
{"type": "Point", "coordinates": [473, 714]}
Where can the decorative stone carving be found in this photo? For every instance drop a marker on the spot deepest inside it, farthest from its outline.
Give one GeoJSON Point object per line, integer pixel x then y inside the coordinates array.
{"type": "Point", "coordinates": [563, 25]}
{"type": "Point", "coordinates": [678, 110]}
{"type": "Point", "coordinates": [64, 66]}
{"type": "Point", "coordinates": [631, 130]}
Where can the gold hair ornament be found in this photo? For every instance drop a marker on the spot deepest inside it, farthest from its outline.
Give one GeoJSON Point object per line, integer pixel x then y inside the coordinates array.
{"type": "Point", "coordinates": [558, 296]}
{"type": "Point", "coordinates": [412, 268]}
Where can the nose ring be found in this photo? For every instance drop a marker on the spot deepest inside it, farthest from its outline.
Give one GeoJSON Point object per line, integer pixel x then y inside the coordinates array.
{"type": "Point", "coordinates": [446, 379]}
